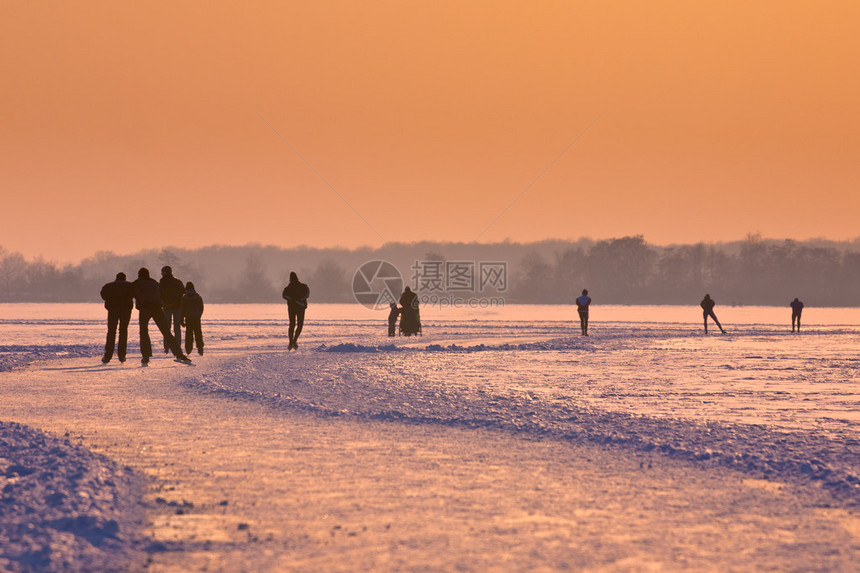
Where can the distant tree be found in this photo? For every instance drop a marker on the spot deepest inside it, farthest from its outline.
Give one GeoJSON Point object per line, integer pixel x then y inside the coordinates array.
{"type": "Point", "coordinates": [254, 285]}
{"type": "Point", "coordinates": [13, 268]}
{"type": "Point", "coordinates": [535, 282]}
{"type": "Point", "coordinates": [43, 279]}
{"type": "Point", "coordinates": [329, 283]}
{"type": "Point", "coordinates": [570, 274]}
{"type": "Point", "coordinates": [170, 259]}
{"type": "Point", "coordinates": [620, 269]}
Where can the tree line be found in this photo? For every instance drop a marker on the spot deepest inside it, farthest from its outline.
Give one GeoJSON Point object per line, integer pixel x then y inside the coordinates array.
{"type": "Point", "coordinates": [625, 270]}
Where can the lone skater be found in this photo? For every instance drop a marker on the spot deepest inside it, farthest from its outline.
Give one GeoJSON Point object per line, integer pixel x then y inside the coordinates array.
{"type": "Point", "coordinates": [171, 290]}
{"type": "Point", "coordinates": [296, 294]}
{"type": "Point", "coordinates": [392, 319]}
{"type": "Point", "coordinates": [119, 300]}
{"type": "Point", "coordinates": [707, 305]}
{"type": "Point", "coordinates": [148, 304]}
{"type": "Point", "coordinates": [796, 311]}
{"type": "Point", "coordinates": [191, 308]}
{"type": "Point", "coordinates": [582, 304]}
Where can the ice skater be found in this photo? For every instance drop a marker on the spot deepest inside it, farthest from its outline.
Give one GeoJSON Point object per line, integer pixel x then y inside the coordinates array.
{"type": "Point", "coordinates": [707, 305]}
{"type": "Point", "coordinates": [148, 304]}
{"type": "Point", "coordinates": [392, 319]}
{"type": "Point", "coordinates": [119, 300]}
{"type": "Point", "coordinates": [582, 304]}
{"type": "Point", "coordinates": [796, 311]}
{"type": "Point", "coordinates": [171, 289]}
{"type": "Point", "coordinates": [296, 294]}
{"type": "Point", "coordinates": [191, 309]}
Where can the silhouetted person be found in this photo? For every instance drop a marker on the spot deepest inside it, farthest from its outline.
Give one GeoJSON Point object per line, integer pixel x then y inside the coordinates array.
{"type": "Point", "coordinates": [707, 305]}
{"type": "Point", "coordinates": [119, 300]}
{"type": "Point", "coordinates": [796, 311]}
{"type": "Point", "coordinates": [296, 294]}
{"type": "Point", "coordinates": [148, 303]}
{"type": "Point", "coordinates": [171, 290]}
{"type": "Point", "coordinates": [392, 319]}
{"type": "Point", "coordinates": [410, 317]}
{"type": "Point", "coordinates": [582, 304]}
{"type": "Point", "coordinates": [191, 309]}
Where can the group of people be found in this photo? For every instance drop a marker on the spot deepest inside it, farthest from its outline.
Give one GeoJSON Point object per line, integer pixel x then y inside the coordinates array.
{"type": "Point", "coordinates": [165, 302]}
{"type": "Point", "coordinates": [408, 312]}
{"type": "Point", "coordinates": [708, 304]}
{"type": "Point", "coordinates": [584, 301]}
{"type": "Point", "coordinates": [170, 302]}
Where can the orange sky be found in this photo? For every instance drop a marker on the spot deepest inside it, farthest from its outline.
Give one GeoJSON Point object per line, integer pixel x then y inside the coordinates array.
{"type": "Point", "coordinates": [138, 126]}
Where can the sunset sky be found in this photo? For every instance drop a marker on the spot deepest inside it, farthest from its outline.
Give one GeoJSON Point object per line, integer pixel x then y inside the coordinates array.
{"type": "Point", "coordinates": [137, 125]}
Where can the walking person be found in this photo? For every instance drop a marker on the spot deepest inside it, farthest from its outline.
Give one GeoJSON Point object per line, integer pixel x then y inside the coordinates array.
{"type": "Point", "coordinates": [796, 311]}
{"type": "Point", "coordinates": [191, 309]}
{"type": "Point", "coordinates": [296, 294]}
{"type": "Point", "coordinates": [707, 305]}
{"type": "Point", "coordinates": [171, 290]}
{"type": "Point", "coordinates": [582, 304]}
{"type": "Point", "coordinates": [119, 300]}
{"type": "Point", "coordinates": [148, 303]}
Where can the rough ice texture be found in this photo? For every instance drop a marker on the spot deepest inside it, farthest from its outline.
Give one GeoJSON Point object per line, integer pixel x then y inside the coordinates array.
{"type": "Point", "coordinates": [548, 388]}
{"type": "Point", "coordinates": [64, 508]}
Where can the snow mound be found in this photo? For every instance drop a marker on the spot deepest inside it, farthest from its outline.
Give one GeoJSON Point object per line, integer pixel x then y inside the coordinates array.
{"type": "Point", "coordinates": [352, 347]}
{"type": "Point", "coordinates": [13, 356]}
{"type": "Point", "coordinates": [64, 508]}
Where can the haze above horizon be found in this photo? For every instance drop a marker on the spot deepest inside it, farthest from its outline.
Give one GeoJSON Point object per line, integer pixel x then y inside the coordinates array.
{"type": "Point", "coordinates": [335, 123]}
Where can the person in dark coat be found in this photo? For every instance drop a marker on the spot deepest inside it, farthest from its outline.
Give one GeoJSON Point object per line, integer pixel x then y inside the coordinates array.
{"type": "Point", "coordinates": [119, 300]}
{"type": "Point", "coordinates": [582, 304]}
{"type": "Point", "coordinates": [707, 305]}
{"type": "Point", "coordinates": [191, 308]}
{"type": "Point", "coordinates": [171, 290]}
{"type": "Point", "coordinates": [392, 319]}
{"type": "Point", "coordinates": [410, 317]}
{"type": "Point", "coordinates": [796, 311]}
{"type": "Point", "coordinates": [148, 303]}
{"type": "Point", "coordinates": [296, 294]}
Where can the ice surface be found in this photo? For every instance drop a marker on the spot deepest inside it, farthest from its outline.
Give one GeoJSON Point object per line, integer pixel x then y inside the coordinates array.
{"type": "Point", "coordinates": [761, 400]}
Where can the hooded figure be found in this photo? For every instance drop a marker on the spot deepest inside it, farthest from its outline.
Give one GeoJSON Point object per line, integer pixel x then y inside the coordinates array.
{"type": "Point", "coordinates": [191, 309]}
{"type": "Point", "coordinates": [119, 301]}
{"type": "Point", "coordinates": [296, 294]}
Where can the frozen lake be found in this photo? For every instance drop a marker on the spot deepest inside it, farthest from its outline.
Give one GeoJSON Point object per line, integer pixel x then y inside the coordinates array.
{"type": "Point", "coordinates": [765, 405]}
{"type": "Point", "coordinates": [645, 360]}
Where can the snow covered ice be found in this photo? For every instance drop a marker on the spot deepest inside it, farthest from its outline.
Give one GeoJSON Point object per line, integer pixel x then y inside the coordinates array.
{"type": "Point", "coordinates": [759, 403]}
